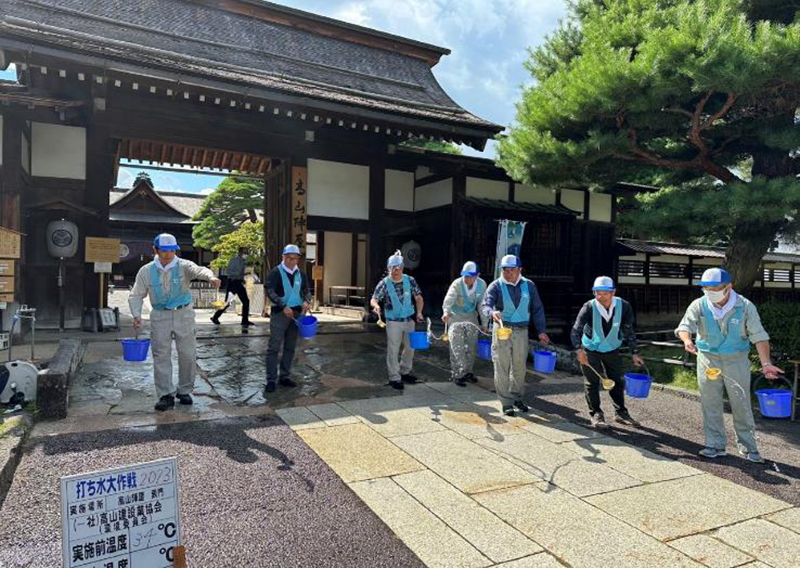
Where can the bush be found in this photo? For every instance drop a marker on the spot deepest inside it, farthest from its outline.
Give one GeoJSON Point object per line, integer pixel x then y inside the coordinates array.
{"type": "Point", "coordinates": [782, 322]}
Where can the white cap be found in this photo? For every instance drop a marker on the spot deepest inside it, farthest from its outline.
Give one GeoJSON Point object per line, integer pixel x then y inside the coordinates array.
{"type": "Point", "coordinates": [291, 249]}
{"type": "Point", "coordinates": [714, 277]}
{"type": "Point", "coordinates": [165, 241]}
{"type": "Point", "coordinates": [469, 269]}
{"type": "Point", "coordinates": [603, 284]}
{"type": "Point", "coordinates": [395, 260]}
{"type": "Point", "coordinates": [510, 261]}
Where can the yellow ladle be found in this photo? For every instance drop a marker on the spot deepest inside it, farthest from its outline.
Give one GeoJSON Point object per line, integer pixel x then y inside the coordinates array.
{"type": "Point", "coordinates": [504, 333]}
{"type": "Point", "coordinates": [713, 373]}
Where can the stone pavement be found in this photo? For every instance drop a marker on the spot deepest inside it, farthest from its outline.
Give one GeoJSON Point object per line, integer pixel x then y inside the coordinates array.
{"type": "Point", "coordinates": [462, 485]}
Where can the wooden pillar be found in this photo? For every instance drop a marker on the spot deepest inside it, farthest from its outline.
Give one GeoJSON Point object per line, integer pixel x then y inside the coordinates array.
{"type": "Point", "coordinates": [11, 179]}
{"type": "Point", "coordinates": [690, 276]}
{"type": "Point", "coordinates": [375, 245]}
{"type": "Point", "coordinates": [512, 196]}
{"type": "Point", "coordinates": [456, 222]}
{"type": "Point", "coordinates": [101, 157]}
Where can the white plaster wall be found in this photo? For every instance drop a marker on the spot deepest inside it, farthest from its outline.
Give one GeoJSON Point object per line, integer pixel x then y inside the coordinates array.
{"type": "Point", "coordinates": [58, 151]}
{"type": "Point", "coordinates": [630, 280]}
{"type": "Point", "coordinates": [25, 153]}
{"type": "Point", "coordinates": [399, 190]}
{"type": "Point", "coordinates": [530, 194]}
{"type": "Point", "coordinates": [778, 284]}
{"type": "Point", "coordinates": [338, 259]}
{"type": "Point", "coordinates": [487, 188]}
{"type": "Point", "coordinates": [573, 199]}
{"type": "Point", "coordinates": [338, 190]}
{"type": "Point", "coordinates": [600, 207]}
{"type": "Point", "coordinates": [434, 195]}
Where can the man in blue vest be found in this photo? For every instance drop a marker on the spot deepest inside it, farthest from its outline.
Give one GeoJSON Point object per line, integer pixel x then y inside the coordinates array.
{"type": "Point", "coordinates": [603, 326]}
{"type": "Point", "coordinates": [514, 302]}
{"type": "Point", "coordinates": [287, 289]}
{"type": "Point", "coordinates": [725, 325]}
{"type": "Point", "coordinates": [461, 309]}
{"type": "Point", "coordinates": [166, 281]}
{"type": "Point", "coordinates": [403, 301]}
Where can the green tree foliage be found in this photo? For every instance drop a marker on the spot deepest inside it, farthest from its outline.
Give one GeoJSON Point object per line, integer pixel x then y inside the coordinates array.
{"type": "Point", "coordinates": [675, 93]}
{"type": "Point", "coordinates": [249, 236]}
{"type": "Point", "coordinates": [234, 201]}
{"type": "Point", "coordinates": [433, 146]}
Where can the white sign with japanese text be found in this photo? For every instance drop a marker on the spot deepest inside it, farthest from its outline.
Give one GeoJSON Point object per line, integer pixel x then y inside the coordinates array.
{"type": "Point", "coordinates": [126, 517]}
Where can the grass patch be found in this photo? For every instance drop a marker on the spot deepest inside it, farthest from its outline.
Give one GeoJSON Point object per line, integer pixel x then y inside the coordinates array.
{"type": "Point", "coordinates": [666, 373]}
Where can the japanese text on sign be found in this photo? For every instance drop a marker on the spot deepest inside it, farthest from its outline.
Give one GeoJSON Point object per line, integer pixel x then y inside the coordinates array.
{"type": "Point", "coordinates": [121, 518]}
{"type": "Point", "coordinates": [299, 214]}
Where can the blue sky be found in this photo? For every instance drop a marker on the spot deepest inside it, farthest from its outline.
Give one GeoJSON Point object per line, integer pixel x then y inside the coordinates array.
{"type": "Point", "coordinates": [488, 39]}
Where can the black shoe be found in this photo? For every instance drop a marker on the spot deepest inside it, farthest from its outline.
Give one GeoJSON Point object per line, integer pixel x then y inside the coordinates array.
{"type": "Point", "coordinates": [287, 382]}
{"type": "Point", "coordinates": [599, 421]}
{"type": "Point", "coordinates": [509, 411]}
{"type": "Point", "coordinates": [214, 320]}
{"type": "Point", "coordinates": [625, 418]}
{"type": "Point", "coordinates": [247, 323]}
{"type": "Point", "coordinates": [471, 378]}
{"type": "Point", "coordinates": [270, 386]}
{"type": "Point", "coordinates": [185, 398]}
{"type": "Point", "coordinates": [521, 406]}
{"type": "Point", "coordinates": [409, 378]}
{"type": "Point", "coordinates": [397, 385]}
{"type": "Point", "coordinates": [460, 381]}
{"type": "Point", "coordinates": [165, 403]}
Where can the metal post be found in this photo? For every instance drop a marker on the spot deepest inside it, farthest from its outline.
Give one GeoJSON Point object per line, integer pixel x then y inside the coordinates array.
{"type": "Point", "coordinates": [61, 299]}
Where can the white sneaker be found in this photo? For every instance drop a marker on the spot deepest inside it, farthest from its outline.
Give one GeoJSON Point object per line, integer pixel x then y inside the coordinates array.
{"type": "Point", "coordinates": [713, 453]}
{"type": "Point", "coordinates": [754, 457]}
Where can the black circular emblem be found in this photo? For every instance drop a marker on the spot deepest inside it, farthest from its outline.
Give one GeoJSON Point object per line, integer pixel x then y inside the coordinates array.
{"type": "Point", "coordinates": [61, 238]}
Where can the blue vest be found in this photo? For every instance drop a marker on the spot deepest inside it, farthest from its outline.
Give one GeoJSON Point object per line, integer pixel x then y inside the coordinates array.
{"type": "Point", "coordinates": [291, 294]}
{"type": "Point", "coordinates": [521, 313]}
{"type": "Point", "coordinates": [599, 341]}
{"type": "Point", "coordinates": [399, 310]}
{"type": "Point", "coordinates": [464, 305]}
{"type": "Point", "coordinates": [176, 297]}
{"type": "Point", "coordinates": [715, 342]}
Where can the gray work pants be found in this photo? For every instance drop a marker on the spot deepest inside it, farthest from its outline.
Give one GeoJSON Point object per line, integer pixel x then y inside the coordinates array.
{"type": "Point", "coordinates": [736, 381]}
{"type": "Point", "coordinates": [282, 330]}
{"type": "Point", "coordinates": [164, 326]}
{"type": "Point", "coordinates": [509, 358]}
{"type": "Point", "coordinates": [463, 343]}
{"type": "Point", "coordinates": [397, 335]}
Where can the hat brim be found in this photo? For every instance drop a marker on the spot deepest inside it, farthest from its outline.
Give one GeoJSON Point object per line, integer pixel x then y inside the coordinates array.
{"type": "Point", "coordinates": [510, 266]}
{"type": "Point", "coordinates": [603, 289]}
{"type": "Point", "coordinates": [470, 274]}
{"type": "Point", "coordinates": [168, 247]}
{"type": "Point", "coordinates": [709, 284]}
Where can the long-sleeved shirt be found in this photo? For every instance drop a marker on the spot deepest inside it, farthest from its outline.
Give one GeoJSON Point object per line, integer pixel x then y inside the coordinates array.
{"type": "Point", "coordinates": [693, 321]}
{"type": "Point", "coordinates": [585, 321]}
{"type": "Point", "coordinates": [144, 286]}
{"type": "Point", "coordinates": [236, 268]}
{"type": "Point", "coordinates": [456, 293]}
{"type": "Point", "coordinates": [493, 301]}
{"type": "Point", "coordinates": [275, 292]}
{"type": "Point", "coordinates": [381, 293]}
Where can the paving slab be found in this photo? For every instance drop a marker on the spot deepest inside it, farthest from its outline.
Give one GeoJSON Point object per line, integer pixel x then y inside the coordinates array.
{"type": "Point", "coordinates": [766, 541]}
{"type": "Point", "coordinates": [541, 560]}
{"type": "Point", "coordinates": [436, 544]}
{"type": "Point", "coordinates": [686, 506]}
{"type": "Point", "coordinates": [635, 462]}
{"type": "Point", "coordinates": [356, 452]}
{"type": "Point", "coordinates": [471, 424]}
{"type": "Point", "coordinates": [560, 466]}
{"type": "Point", "coordinates": [481, 528]}
{"type": "Point", "coordinates": [576, 532]}
{"type": "Point", "coordinates": [560, 431]}
{"type": "Point", "coordinates": [333, 414]}
{"type": "Point", "coordinates": [710, 551]}
{"type": "Point", "coordinates": [789, 519]}
{"type": "Point", "coordinates": [300, 418]}
{"type": "Point", "coordinates": [465, 464]}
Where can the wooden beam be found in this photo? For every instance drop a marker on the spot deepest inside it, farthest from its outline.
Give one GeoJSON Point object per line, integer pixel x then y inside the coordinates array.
{"type": "Point", "coordinates": [163, 152]}
{"type": "Point", "coordinates": [427, 180]}
{"type": "Point", "coordinates": [243, 163]}
{"type": "Point", "coordinates": [185, 158]}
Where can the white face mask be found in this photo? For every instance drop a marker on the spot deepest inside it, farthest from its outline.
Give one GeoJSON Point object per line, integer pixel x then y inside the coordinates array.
{"type": "Point", "coordinates": [715, 296]}
{"type": "Point", "coordinates": [244, 256]}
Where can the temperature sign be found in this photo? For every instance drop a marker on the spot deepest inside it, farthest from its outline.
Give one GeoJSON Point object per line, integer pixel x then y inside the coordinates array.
{"type": "Point", "coordinates": [127, 517]}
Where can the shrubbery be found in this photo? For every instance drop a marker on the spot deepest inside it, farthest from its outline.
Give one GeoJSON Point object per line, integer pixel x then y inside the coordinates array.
{"type": "Point", "coordinates": [782, 322]}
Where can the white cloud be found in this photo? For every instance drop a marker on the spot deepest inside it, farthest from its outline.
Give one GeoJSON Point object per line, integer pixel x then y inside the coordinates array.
{"type": "Point", "coordinates": [125, 178]}
{"type": "Point", "coordinates": [206, 191]}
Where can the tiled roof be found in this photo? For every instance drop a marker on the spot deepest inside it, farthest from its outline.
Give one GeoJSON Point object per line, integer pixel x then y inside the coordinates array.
{"type": "Point", "coordinates": [186, 203]}
{"type": "Point", "coordinates": [697, 251]}
{"type": "Point", "coordinates": [193, 39]}
{"type": "Point", "coordinates": [526, 207]}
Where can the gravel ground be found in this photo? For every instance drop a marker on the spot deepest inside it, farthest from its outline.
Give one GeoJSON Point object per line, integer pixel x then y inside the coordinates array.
{"type": "Point", "coordinates": [252, 494]}
{"type": "Point", "coordinates": [672, 426]}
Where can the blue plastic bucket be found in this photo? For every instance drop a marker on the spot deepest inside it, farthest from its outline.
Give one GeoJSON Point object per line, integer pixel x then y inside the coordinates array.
{"type": "Point", "coordinates": [308, 326]}
{"type": "Point", "coordinates": [637, 385]}
{"type": "Point", "coordinates": [135, 349]}
{"type": "Point", "coordinates": [485, 349]}
{"type": "Point", "coordinates": [419, 339]}
{"type": "Point", "coordinates": [775, 403]}
{"type": "Point", "coordinates": [544, 361]}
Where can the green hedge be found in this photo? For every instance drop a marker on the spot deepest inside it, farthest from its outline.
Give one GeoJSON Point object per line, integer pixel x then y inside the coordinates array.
{"type": "Point", "coordinates": [782, 322]}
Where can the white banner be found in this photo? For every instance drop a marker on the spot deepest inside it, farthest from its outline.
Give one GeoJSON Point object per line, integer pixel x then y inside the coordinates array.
{"type": "Point", "coordinates": [509, 241]}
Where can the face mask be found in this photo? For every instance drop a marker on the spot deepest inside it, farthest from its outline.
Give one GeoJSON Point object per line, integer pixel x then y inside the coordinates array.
{"type": "Point", "coordinates": [244, 256]}
{"type": "Point", "coordinates": [716, 296]}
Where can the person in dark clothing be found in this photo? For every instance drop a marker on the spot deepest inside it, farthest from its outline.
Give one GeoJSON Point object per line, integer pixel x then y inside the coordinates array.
{"type": "Point", "coordinates": [604, 326]}
{"type": "Point", "coordinates": [287, 288]}
{"type": "Point", "coordinates": [235, 285]}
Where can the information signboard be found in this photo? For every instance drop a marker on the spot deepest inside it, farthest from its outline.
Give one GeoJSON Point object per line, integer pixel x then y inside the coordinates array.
{"type": "Point", "coordinates": [100, 249]}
